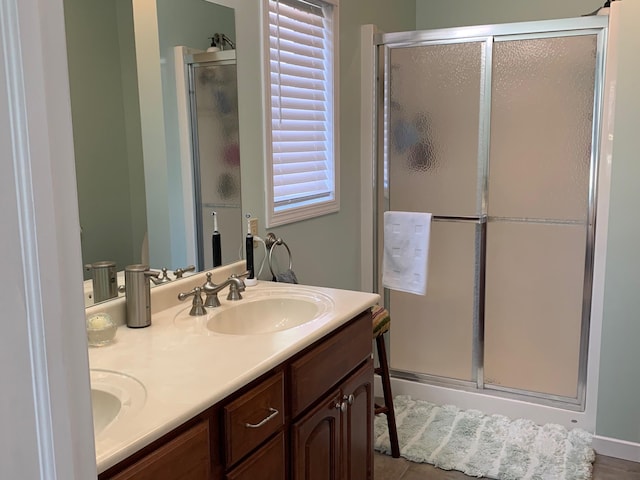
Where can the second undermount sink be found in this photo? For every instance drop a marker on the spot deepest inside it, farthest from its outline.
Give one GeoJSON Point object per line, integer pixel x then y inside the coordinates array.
{"type": "Point", "coordinates": [106, 407]}
{"type": "Point", "coordinates": [114, 398]}
{"type": "Point", "coordinates": [269, 312]}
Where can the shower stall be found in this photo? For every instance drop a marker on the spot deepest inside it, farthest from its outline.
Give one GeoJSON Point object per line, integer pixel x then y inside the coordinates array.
{"type": "Point", "coordinates": [495, 131]}
{"type": "Point", "coordinates": [215, 150]}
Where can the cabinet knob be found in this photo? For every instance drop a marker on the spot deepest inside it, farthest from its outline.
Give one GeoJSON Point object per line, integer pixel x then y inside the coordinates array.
{"type": "Point", "coordinates": [349, 399]}
{"type": "Point", "coordinates": [342, 406]}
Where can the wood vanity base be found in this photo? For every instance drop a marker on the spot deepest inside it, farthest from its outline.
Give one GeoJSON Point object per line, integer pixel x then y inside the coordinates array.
{"type": "Point", "coordinates": [309, 418]}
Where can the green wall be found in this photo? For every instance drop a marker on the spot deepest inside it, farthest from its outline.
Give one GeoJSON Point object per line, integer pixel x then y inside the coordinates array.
{"type": "Point", "coordinates": [105, 130]}
{"type": "Point", "coordinates": [455, 13]}
{"type": "Point", "coordinates": [107, 126]}
{"type": "Point", "coordinates": [325, 249]}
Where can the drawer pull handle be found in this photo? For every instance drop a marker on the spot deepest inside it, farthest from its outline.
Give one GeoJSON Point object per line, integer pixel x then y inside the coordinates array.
{"type": "Point", "coordinates": [272, 413]}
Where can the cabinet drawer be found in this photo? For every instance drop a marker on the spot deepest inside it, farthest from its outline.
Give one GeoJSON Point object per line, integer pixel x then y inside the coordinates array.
{"type": "Point", "coordinates": [324, 366]}
{"type": "Point", "coordinates": [253, 417]}
{"type": "Point", "coordinates": [269, 462]}
{"type": "Point", "coordinates": [186, 457]}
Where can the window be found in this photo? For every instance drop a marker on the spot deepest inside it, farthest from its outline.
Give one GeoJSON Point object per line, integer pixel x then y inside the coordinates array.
{"type": "Point", "coordinates": [302, 159]}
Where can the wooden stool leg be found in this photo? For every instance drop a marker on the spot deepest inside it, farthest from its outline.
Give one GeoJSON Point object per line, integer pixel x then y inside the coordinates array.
{"type": "Point", "coordinates": [383, 370]}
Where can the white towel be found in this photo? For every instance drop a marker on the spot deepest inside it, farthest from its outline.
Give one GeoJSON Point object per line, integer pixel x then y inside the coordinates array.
{"type": "Point", "coordinates": [406, 251]}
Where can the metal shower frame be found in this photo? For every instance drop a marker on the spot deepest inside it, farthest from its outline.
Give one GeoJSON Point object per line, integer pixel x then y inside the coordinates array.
{"type": "Point", "coordinates": [488, 35]}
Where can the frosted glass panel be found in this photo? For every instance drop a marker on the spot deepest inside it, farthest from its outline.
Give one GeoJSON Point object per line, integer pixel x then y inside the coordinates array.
{"type": "Point", "coordinates": [541, 122]}
{"type": "Point", "coordinates": [533, 306]}
{"type": "Point", "coordinates": [433, 334]}
{"type": "Point", "coordinates": [433, 122]}
{"type": "Point", "coordinates": [217, 159]}
{"type": "Point", "coordinates": [218, 137]}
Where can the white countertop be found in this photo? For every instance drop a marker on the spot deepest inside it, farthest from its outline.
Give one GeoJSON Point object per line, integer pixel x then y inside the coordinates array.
{"type": "Point", "coordinates": [185, 368]}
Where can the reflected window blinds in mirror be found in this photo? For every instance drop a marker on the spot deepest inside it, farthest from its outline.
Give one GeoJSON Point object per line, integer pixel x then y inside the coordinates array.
{"type": "Point", "coordinates": [303, 162]}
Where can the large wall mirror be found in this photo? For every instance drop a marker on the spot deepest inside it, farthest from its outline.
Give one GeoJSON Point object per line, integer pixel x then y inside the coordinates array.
{"type": "Point", "coordinates": [133, 153]}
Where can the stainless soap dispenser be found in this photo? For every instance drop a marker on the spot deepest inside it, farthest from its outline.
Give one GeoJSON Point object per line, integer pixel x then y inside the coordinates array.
{"type": "Point", "coordinates": [138, 294]}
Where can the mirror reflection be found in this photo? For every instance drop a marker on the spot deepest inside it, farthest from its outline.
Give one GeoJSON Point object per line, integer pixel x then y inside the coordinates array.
{"type": "Point", "coordinates": [135, 133]}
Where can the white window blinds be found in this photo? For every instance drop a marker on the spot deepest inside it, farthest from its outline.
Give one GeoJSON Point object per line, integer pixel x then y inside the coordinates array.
{"type": "Point", "coordinates": [302, 104]}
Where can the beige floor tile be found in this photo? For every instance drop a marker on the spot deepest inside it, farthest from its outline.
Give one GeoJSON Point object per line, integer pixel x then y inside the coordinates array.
{"type": "Point", "coordinates": [423, 471]}
{"type": "Point", "coordinates": [388, 468]}
{"type": "Point", "coordinates": [608, 468]}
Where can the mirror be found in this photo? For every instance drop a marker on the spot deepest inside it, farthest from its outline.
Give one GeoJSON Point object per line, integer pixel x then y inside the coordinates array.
{"type": "Point", "coordinates": [133, 150]}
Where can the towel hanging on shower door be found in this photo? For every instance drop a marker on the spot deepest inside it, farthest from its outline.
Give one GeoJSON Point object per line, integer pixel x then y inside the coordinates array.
{"type": "Point", "coordinates": [405, 258]}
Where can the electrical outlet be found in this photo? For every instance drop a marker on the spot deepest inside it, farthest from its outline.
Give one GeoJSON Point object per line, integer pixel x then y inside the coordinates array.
{"type": "Point", "coordinates": [253, 226]}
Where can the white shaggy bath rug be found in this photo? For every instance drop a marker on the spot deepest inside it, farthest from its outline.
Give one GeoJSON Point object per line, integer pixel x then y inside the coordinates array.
{"type": "Point", "coordinates": [483, 445]}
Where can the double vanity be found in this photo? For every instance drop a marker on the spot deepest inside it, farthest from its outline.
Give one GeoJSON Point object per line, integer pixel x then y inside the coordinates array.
{"type": "Point", "coordinates": [276, 385]}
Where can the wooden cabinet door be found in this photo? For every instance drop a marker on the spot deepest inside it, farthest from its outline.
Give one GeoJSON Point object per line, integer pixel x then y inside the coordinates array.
{"type": "Point", "coordinates": [315, 453]}
{"type": "Point", "coordinates": [357, 425]}
{"type": "Point", "coordinates": [268, 463]}
{"type": "Point", "coordinates": [317, 371]}
{"type": "Point", "coordinates": [186, 457]}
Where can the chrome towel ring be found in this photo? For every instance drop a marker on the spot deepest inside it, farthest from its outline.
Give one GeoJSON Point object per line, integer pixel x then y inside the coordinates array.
{"type": "Point", "coordinates": [271, 243]}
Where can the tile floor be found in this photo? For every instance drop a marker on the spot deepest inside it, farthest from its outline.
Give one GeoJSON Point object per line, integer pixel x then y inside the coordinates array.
{"type": "Point", "coordinates": [388, 468]}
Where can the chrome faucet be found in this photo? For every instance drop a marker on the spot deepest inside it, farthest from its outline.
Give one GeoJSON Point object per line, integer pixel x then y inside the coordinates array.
{"type": "Point", "coordinates": [235, 284]}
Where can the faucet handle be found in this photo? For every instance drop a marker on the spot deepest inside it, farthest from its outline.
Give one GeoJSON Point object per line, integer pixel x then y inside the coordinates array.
{"type": "Point", "coordinates": [244, 274]}
{"type": "Point", "coordinates": [181, 271]}
{"type": "Point", "coordinates": [164, 278]}
{"type": "Point", "coordinates": [197, 308]}
{"type": "Point", "coordinates": [208, 285]}
{"type": "Point", "coordinates": [236, 285]}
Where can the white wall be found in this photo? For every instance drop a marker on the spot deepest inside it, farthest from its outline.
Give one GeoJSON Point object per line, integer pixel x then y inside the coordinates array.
{"type": "Point", "coordinates": [45, 409]}
{"type": "Point", "coordinates": [619, 389]}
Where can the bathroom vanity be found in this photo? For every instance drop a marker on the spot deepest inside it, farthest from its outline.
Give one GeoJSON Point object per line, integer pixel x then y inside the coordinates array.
{"type": "Point", "coordinates": [295, 402]}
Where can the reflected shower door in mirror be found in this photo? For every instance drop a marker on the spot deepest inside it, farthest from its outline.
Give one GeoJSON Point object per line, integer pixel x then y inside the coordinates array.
{"type": "Point", "coordinates": [135, 190]}
{"type": "Point", "coordinates": [216, 154]}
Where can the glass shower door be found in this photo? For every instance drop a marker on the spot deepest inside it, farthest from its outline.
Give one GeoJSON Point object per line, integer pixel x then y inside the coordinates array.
{"type": "Point", "coordinates": [538, 205]}
{"type": "Point", "coordinates": [432, 150]}
{"type": "Point", "coordinates": [496, 137]}
{"type": "Point", "coordinates": [216, 156]}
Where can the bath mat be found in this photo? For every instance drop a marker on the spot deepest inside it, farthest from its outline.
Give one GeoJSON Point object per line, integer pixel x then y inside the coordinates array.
{"type": "Point", "coordinates": [481, 445]}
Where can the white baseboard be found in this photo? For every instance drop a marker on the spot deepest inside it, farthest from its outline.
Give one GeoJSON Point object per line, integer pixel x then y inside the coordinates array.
{"type": "Point", "coordinates": [492, 404]}
{"type": "Point", "coordinates": [612, 447]}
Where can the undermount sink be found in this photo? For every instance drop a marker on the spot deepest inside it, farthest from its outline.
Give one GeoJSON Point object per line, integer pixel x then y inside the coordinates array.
{"type": "Point", "coordinates": [106, 407]}
{"type": "Point", "coordinates": [265, 311]}
{"type": "Point", "coordinates": [114, 397]}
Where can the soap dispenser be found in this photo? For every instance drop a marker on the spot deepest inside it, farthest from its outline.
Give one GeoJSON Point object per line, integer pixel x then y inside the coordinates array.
{"type": "Point", "coordinates": [138, 294]}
